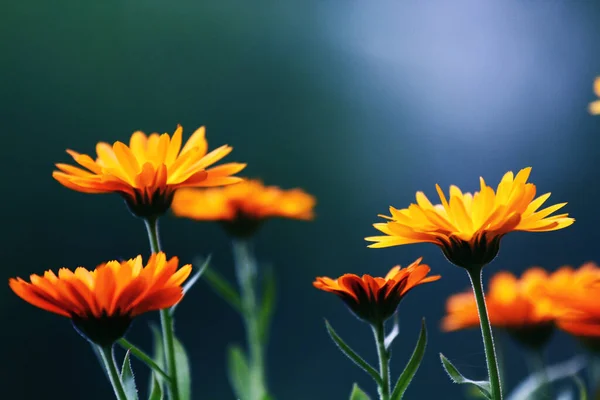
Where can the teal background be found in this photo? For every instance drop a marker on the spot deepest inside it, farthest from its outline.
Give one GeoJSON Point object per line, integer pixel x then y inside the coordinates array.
{"type": "Point", "coordinates": [360, 103]}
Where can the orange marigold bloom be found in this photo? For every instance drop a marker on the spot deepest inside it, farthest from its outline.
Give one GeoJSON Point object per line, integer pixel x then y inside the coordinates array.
{"type": "Point", "coordinates": [376, 299]}
{"type": "Point", "coordinates": [101, 303]}
{"type": "Point", "coordinates": [244, 206]}
{"type": "Point", "coordinates": [149, 171]}
{"type": "Point", "coordinates": [512, 304]}
{"type": "Point", "coordinates": [573, 294]}
{"type": "Point", "coordinates": [594, 106]}
{"type": "Point", "coordinates": [468, 228]}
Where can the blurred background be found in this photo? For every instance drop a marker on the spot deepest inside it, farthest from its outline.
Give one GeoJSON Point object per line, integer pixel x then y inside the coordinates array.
{"type": "Point", "coordinates": [359, 103]}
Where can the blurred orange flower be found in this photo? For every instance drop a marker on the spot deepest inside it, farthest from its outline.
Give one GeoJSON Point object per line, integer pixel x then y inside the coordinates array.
{"type": "Point", "coordinates": [148, 171]}
{"type": "Point", "coordinates": [243, 206]}
{"type": "Point", "coordinates": [513, 304]}
{"type": "Point", "coordinates": [102, 302]}
{"type": "Point", "coordinates": [376, 299]}
{"type": "Point", "coordinates": [573, 294]}
{"type": "Point", "coordinates": [468, 228]}
{"type": "Point", "coordinates": [594, 106]}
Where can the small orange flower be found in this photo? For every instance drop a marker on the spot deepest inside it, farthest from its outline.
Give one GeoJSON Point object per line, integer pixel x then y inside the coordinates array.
{"type": "Point", "coordinates": [244, 206]}
{"type": "Point", "coordinates": [512, 304]}
{"type": "Point", "coordinates": [102, 303]}
{"type": "Point", "coordinates": [468, 228]}
{"type": "Point", "coordinates": [594, 106]}
{"type": "Point", "coordinates": [149, 171]}
{"type": "Point", "coordinates": [376, 299]}
{"type": "Point", "coordinates": [573, 294]}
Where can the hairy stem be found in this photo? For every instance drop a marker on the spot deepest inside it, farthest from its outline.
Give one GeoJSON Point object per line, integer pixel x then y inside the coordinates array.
{"type": "Point", "coordinates": [108, 359]}
{"type": "Point", "coordinates": [384, 360]}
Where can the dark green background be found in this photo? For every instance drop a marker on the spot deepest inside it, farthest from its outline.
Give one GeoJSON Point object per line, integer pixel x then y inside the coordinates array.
{"type": "Point", "coordinates": [359, 103]}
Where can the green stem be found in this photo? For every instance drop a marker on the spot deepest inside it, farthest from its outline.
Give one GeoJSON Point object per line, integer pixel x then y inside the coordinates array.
{"type": "Point", "coordinates": [246, 271]}
{"type": "Point", "coordinates": [108, 359]}
{"type": "Point", "coordinates": [166, 320]}
{"type": "Point", "coordinates": [142, 356]}
{"type": "Point", "coordinates": [384, 360]}
{"type": "Point", "coordinates": [486, 331]}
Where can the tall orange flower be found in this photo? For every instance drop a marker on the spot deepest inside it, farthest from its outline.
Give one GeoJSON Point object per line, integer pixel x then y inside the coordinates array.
{"type": "Point", "coordinates": [594, 106]}
{"type": "Point", "coordinates": [513, 304]}
{"type": "Point", "coordinates": [149, 171]}
{"type": "Point", "coordinates": [468, 227]}
{"type": "Point", "coordinates": [574, 294]}
{"type": "Point", "coordinates": [101, 303]}
{"type": "Point", "coordinates": [244, 206]}
{"type": "Point", "coordinates": [376, 299]}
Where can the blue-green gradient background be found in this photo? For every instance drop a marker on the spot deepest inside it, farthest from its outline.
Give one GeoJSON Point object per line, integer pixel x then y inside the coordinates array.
{"type": "Point", "coordinates": [360, 103]}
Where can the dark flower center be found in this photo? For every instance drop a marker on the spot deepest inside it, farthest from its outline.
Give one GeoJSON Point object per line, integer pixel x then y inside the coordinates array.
{"type": "Point", "coordinates": [103, 331]}
{"type": "Point", "coordinates": [475, 253]}
{"type": "Point", "coordinates": [149, 205]}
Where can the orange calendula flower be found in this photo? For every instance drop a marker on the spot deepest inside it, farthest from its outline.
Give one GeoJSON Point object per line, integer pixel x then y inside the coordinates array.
{"type": "Point", "coordinates": [513, 304]}
{"type": "Point", "coordinates": [468, 227]}
{"type": "Point", "coordinates": [594, 106]}
{"type": "Point", "coordinates": [149, 171]}
{"type": "Point", "coordinates": [101, 303]}
{"type": "Point", "coordinates": [573, 293]}
{"type": "Point", "coordinates": [244, 206]}
{"type": "Point", "coordinates": [375, 299]}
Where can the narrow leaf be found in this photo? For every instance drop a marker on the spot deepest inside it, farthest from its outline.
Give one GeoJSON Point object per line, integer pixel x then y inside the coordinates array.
{"type": "Point", "coordinates": [142, 356]}
{"type": "Point", "coordinates": [351, 354]}
{"type": "Point", "coordinates": [238, 371]}
{"type": "Point", "coordinates": [223, 288]}
{"type": "Point", "coordinates": [193, 279]}
{"type": "Point", "coordinates": [267, 306]}
{"type": "Point", "coordinates": [128, 379]}
{"type": "Point", "coordinates": [413, 364]}
{"type": "Point", "coordinates": [457, 377]}
{"type": "Point", "coordinates": [183, 371]}
{"type": "Point", "coordinates": [553, 373]}
{"type": "Point", "coordinates": [358, 394]}
{"type": "Point", "coordinates": [581, 388]}
{"type": "Point", "coordinates": [393, 333]}
{"type": "Point", "coordinates": [158, 356]}
{"type": "Point", "coordinates": [156, 392]}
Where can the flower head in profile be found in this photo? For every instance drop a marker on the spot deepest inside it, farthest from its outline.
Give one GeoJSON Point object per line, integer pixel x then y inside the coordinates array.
{"type": "Point", "coordinates": [375, 299]}
{"type": "Point", "coordinates": [513, 305]}
{"type": "Point", "coordinates": [242, 207]}
{"type": "Point", "coordinates": [468, 227]}
{"type": "Point", "coordinates": [574, 294]}
{"type": "Point", "coordinates": [594, 106]}
{"type": "Point", "coordinates": [149, 171]}
{"type": "Point", "coordinates": [101, 303]}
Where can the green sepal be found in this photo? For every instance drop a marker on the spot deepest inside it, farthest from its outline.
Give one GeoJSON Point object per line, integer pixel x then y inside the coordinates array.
{"type": "Point", "coordinates": [267, 306]}
{"type": "Point", "coordinates": [358, 394]}
{"type": "Point", "coordinates": [456, 377]}
{"type": "Point", "coordinates": [156, 391]}
{"type": "Point", "coordinates": [183, 371]}
{"type": "Point", "coordinates": [352, 355]}
{"type": "Point", "coordinates": [239, 371]}
{"type": "Point", "coordinates": [583, 395]}
{"type": "Point", "coordinates": [413, 364]}
{"type": "Point", "coordinates": [158, 355]}
{"type": "Point", "coordinates": [128, 379]}
{"type": "Point", "coordinates": [223, 288]}
{"type": "Point", "coordinates": [193, 279]}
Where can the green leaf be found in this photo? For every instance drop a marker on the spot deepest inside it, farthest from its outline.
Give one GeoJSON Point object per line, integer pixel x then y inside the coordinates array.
{"type": "Point", "coordinates": [456, 377]}
{"type": "Point", "coordinates": [358, 394]}
{"type": "Point", "coordinates": [267, 306]}
{"type": "Point", "coordinates": [142, 356]}
{"type": "Point", "coordinates": [128, 379]}
{"type": "Point", "coordinates": [183, 371]}
{"type": "Point", "coordinates": [193, 279]}
{"type": "Point", "coordinates": [223, 288]}
{"type": "Point", "coordinates": [239, 371]}
{"type": "Point", "coordinates": [581, 388]}
{"type": "Point", "coordinates": [156, 391]}
{"type": "Point", "coordinates": [413, 364]}
{"type": "Point", "coordinates": [351, 354]}
{"type": "Point", "coordinates": [158, 355]}
{"type": "Point", "coordinates": [393, 333]}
